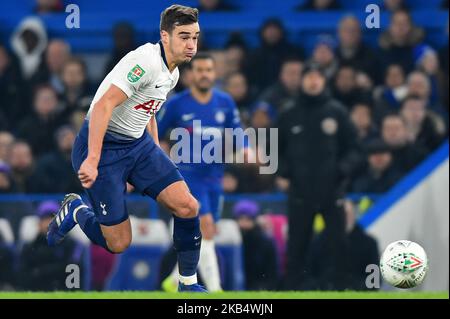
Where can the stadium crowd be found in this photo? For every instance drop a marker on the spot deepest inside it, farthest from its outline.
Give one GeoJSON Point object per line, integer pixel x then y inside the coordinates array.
{"type": "Point", "coordinates": [395, 95]}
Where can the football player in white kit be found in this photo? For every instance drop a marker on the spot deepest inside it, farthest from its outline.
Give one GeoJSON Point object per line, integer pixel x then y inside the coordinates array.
{"type": "Point", "coordinates": [118, 143]}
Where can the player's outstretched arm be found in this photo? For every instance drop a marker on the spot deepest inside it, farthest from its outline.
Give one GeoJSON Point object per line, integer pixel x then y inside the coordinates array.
{"type": "Point", "coordinates": [98, 123]}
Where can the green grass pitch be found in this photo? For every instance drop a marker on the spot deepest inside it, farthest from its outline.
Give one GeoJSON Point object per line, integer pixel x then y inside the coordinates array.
{"type": "Point", "coordinates": [226, 295]}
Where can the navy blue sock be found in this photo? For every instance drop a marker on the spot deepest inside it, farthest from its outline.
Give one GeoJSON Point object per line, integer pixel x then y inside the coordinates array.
{"type": "Point", "coordinates": [187, 241]}
{"type": "Point", "coordinates": [91, 227]}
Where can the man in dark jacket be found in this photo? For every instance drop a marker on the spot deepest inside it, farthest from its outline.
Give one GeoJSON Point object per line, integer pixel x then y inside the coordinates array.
{"type": "Point", "coordinates": [273, 50]}
{"type": "Point", "coordinates": [6, 266]}
{"type": "Point", "coordinates": [43, 268]}
{"type": "Point", "coordinates": [54, 172]}
{"type": "Point", "coordinates": [318, 152]}
{"type": "Point", "coordinates": [380, 174]}
{"type": "Point", "coordinates": [260, 257]}
{"type": "Point", "coordinates": [362, 252]}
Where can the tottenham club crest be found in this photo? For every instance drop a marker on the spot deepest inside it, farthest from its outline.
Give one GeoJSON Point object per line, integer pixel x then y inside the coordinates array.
{"type": "Point", "coordinates": [329, 126]}
{"type": "Point", "coordinates": [103, 206]}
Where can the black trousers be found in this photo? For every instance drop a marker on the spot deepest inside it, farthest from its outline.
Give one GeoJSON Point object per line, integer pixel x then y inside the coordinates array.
{"type": "Point", "coordinates": [302, 212]}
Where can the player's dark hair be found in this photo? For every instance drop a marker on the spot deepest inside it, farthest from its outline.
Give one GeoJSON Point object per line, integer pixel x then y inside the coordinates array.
{"type": "Point", "coordinates": [177, 15]}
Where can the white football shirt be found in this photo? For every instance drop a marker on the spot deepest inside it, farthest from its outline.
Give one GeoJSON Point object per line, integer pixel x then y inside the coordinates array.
{"type": "Point", "coordinates": [144, 76]}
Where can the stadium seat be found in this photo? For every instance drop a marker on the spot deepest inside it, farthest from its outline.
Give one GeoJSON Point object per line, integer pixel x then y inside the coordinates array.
{"type": "Point", "coordinates": [138, 267]}
{"type": "Point", "coordinates": [229, 248]}
{"type": "Point", "coordinates": [6, 232]}
{"type": "Point", "coordinates": [28, 229]}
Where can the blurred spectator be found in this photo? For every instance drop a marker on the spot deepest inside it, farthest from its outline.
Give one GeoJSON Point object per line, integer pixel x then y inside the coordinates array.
{"type": "Point", "coordinates": [319, 5]}
{"type": "Point", "coordinates": [6, 140]}
{"type": "Point", "coordinates": [363, 251]}
{"type": "Point", "coordinates": [380, 174]}
{"type": "Point", "coordinates": [395, 135]}
{"type": "Point", "coordinates": [13, 211]}
{"type": "Point", "coordinates": [345, 88]}
{"type": "Point", "coordinates": [246, 177]}
{"type": "Point", "coordinates": [427, 61]}
{"type": "Point", "coordinates": [214, 5]}
{"type": "Point", "coordinates": [323, 55]}
{"type": "Point", "coordinates": [236, 53]}
{"type": "Point", "coordinates": [48, 6]}
{"type": "Point", "coordinates": [362, 119]}
{"type": "Point", "coordinates": [394, 5]}
{"type": "Point", "coordinates": [54, 172]}
{"type": "Point", "coordinates": [10, 88]}
{"type": "Point", "coordinates": [443, 62]}
{"type": "Point", "coordinates": [7, 185]}
{"type": "Point", "coordinates": [22, 167]}
{"type": "Point", "coordinates": [398, 41]}
{"type": "Point", "coordinates": [262, 115]}
{"type": "Point", "coordinates": [419, 85]}
{"type": "Point", "coordinates": [28, 43]}
{"type": "Point", "coordinates": [236, 85]}
{"type": "Point", "coordinates": [389, 96]}
{"type": "Point", "coordinates": [318, 153]}
{"type": "Point", "coordinates": [353, 52]}
{"type": "Point", "coordinates": [38, 128]}
{"type": "Point", "coordinates": [282, 94]}
{"type": "Point", "coordinates": [273, 50]}
{"type": "Point", "coordinates": [43, 268]}
{"type": "Point", "coordinates": [3, 121]}
{"type": "Point", "coordinates": [77, 119]}
{"type": "Point", "coordinates": [124, 42]}
{"type": "Point", "coordinates": [260, 257]}
{"type": "Point", "coordinates": [57, 54]}
{"type": "Point", "coordinates": [420, 126]}
{"type": "Point", "coordinates": [77, 95]}
{"type": "Point", "coordinates": [6, 262]}
{"type": "Point", "coordinates": [274, 226]}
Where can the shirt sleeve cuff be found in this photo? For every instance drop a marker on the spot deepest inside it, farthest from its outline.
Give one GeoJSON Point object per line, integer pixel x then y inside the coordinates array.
{"type": "Point", "coordinates": [125, 88]}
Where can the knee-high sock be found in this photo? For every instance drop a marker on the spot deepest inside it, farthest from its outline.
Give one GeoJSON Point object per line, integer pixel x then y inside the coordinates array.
{"type": "Point", "coordinates": [208, 266]}
{"type": "Point", "coordinates": [89, 224]}
{"type": "Point", "coordinates": [187, 241]}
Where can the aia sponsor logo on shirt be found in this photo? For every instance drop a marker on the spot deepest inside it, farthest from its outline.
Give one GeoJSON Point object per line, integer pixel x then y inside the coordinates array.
{"type": "Point", "coordinates": [150, 107]}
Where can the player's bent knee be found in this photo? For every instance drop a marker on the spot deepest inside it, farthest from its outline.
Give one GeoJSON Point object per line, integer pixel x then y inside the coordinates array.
{"type": "Point", "coordinates": [118, 246]}
{"type": "Point", "coordinates": [188, 209]}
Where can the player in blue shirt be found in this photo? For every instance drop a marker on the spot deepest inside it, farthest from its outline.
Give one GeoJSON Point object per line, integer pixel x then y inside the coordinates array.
{"type": "Point", "coordinates": [119, 143]}
{"type": "Point", "coordinates": [202, 109]}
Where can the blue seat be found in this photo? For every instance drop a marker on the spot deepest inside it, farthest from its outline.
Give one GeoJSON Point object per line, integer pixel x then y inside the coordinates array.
{"type": "Point", "coordinates": [99, 17]}
{"type": "Point", "coordinates": [229, 249]}
{"type": "Point", "coordinates": [138, 267]}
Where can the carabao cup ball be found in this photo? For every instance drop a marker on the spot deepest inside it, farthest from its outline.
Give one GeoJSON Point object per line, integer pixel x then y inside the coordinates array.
{"type": "Point", "coordinates": [404, 264]}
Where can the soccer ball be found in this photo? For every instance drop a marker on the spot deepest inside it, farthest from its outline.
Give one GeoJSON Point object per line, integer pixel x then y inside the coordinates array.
{"type": "Point", "coordinates": [404, 264]}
